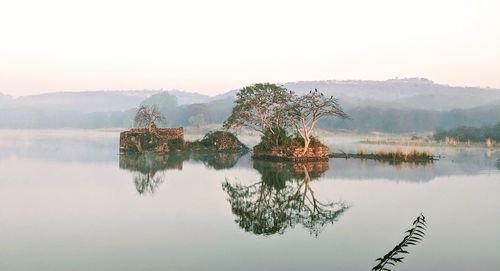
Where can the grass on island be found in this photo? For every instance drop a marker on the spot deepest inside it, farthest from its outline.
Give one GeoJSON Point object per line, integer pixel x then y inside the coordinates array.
{"type": "Point", "coordinates": [397, 155]}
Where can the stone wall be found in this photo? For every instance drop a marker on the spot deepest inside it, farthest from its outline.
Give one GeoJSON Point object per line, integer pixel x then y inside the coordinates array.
{"type": "Point", "coordinates": [294, 154]}
{"type": "Point", "coordinates": [152, 139]}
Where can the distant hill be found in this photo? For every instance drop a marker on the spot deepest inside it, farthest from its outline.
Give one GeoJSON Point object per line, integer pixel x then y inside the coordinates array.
{"type": "Point", "coordinates": [417, 93]}
{"type": "Point", "coordinates": [85, 101]}
{"type": "Point", "coordinates": [94, 101]}
{"type": "Point", "coordinates": [409, 120]}
{"type": "Point", "coordinates": [396, 105]}
{"type": "Point", "coordinates": [184, 97]}
{"type": "Point", "coordinates": [4, 99]}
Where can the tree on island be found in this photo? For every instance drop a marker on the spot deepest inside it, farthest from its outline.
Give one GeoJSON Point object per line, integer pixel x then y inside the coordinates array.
{"type": "Point", "coordinates": [260, 107]}
{"type": "Point", "coordinates": [305, 112]}
{"type": "Point", "coordinates": [148, 116]}
{"type": "Point", "coordinates": [274, 111]}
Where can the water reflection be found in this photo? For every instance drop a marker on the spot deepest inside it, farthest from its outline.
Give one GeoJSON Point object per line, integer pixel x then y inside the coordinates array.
{"type": "Point", "coordinates": [219, 160]}
{"type": "Point", "coordinates": [282, 199]}
{"type": "Point", "coordinates": [465, 163]}
{"type": "Point", "coordinates": [148, 169]}
{"type": "Point", "coordinates": [90, 147]}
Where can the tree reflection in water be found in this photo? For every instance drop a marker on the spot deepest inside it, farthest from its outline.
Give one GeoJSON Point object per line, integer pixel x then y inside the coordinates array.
{"type": "Point", "coordinates": [282, 199]}
{"type": "Point", "coordinates": [148, 169]}
{"type": "Point", "coordinates": [147, 183]}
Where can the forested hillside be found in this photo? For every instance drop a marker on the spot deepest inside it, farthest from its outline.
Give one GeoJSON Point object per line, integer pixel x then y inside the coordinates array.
{"type": "Point", "coordinates": [396, 105]}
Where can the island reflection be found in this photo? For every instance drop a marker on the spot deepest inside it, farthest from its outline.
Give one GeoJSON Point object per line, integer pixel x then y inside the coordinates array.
{"type": "Point", "coordinates": [148, 169]}
{"type": "Point", "coordinates": [218, 160]}
{"type": "Point", "coordinates": [282, 199]}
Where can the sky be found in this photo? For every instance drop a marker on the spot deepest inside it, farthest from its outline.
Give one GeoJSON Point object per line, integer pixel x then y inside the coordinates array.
{"type": "Point", "coordinates": [218, 45]}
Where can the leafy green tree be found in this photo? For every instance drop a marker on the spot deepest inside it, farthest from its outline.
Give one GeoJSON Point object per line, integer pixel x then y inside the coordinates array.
{"type": "Point", "coordinates": [259, 107]}
{"type": "Point", "coordinates": [276, 137]}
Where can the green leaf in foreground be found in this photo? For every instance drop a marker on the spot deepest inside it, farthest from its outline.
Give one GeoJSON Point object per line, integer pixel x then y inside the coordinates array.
{"type": "Point", "coordinates": [413, 237]}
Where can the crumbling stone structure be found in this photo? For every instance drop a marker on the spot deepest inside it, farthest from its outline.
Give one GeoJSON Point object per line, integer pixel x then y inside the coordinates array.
{"type": "Point", "coordinates": [315, 153]}
{"type": "Point", "coordinates": [152, 139]}
{"type": "Point", "coordinates": [165, 140]}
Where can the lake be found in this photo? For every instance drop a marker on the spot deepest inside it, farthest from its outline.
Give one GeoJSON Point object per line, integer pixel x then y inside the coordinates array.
{"type": "Point", "coordinates": [70, 201]}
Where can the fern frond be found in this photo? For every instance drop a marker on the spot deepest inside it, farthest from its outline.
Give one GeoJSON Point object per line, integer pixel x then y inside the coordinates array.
{"type": "Point", "coordinates": [413, 237]}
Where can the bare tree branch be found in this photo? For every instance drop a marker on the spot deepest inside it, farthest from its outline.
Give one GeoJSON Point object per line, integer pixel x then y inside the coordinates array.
{"type": "Point", "coordinates": [305, 112]}
{"type": "Point", "coordinates": [147, 116]}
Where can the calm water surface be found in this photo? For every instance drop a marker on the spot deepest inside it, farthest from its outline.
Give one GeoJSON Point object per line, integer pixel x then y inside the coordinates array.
{"type": "Point", "coordinates": [69, 201]}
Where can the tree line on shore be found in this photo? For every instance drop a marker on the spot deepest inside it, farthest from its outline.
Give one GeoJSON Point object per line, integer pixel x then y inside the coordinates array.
{"type": "Point", "coordinates": [472, 134]}
{"type": "Point", "coordinates": [364, 118]}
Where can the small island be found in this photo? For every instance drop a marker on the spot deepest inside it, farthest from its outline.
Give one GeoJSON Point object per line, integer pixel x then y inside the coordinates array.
{"type": "Point", "coordinates": [284, 120]}
{"type": "Point", "coordinates": [167, 140]}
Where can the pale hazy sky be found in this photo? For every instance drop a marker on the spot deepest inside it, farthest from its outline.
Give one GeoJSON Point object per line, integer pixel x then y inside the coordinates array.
{"type": "Point", "coordinates": [217, 45]}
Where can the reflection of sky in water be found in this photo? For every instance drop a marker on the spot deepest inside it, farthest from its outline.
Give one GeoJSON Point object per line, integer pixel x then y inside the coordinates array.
{"type": "Point", "coordinates": [65, 204]}
{"type": "Point", "coordinates": [453, 161]}
{"type": "Point", "coordinates": [102, 147]}
{"type": "Point", "coordinates": [61, 145]}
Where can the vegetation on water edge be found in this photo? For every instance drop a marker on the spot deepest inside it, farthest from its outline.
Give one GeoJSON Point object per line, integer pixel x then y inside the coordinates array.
{"type": "Point", "coordinates": [279, 137]}
{"type": "Point", "coordinates": [471, 134]}
{"type": "Point", "coordinates": [176, 144]}
{"type": "Point", "coordinates": [399, 155]}
{"type": "Point", "coordinates": [218, 141]}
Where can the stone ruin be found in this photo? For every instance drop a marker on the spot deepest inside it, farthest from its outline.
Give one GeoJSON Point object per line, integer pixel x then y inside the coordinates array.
{"type": "Point", "coordinates": [153, 139]}
{"type": "Point", "coordinates": [313, 153]}
{"type": "Point", "coordinates": [165, 140]}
